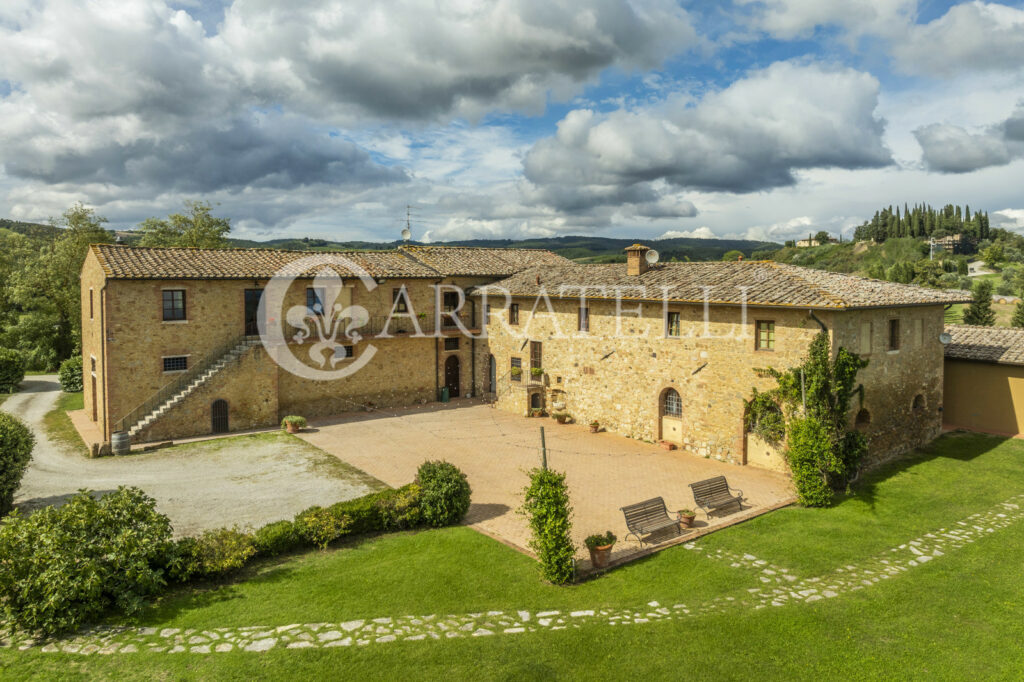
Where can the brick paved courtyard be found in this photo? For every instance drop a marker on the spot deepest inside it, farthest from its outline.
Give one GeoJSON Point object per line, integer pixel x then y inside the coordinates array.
{"type": "Point", "coordinates": [496, 449]}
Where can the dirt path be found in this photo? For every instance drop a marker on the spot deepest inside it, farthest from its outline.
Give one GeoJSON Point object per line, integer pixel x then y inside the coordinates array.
{"type": "Point", "coordinates": [248, 480]}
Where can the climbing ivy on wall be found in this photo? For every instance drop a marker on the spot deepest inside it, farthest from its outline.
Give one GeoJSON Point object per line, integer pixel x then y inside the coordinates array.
{"type": "Point", "coordinates": [809, 415]}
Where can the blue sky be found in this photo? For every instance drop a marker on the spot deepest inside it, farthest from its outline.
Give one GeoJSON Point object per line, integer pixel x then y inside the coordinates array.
{"type": "Point", "coordinates": [763, 119]}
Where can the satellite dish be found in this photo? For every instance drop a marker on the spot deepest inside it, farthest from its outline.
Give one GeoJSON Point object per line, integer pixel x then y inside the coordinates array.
{"type": "Point", "coordinates": [945, 338]}
{"type": "Point", "coordinates": [651, 256]}
{"type": "Point", "coordinates": [406, 233]}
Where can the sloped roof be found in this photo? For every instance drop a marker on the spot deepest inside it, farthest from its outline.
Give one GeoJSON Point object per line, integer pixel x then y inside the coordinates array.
{"type": "Point", "coordinates": [766, 283]}
{"type": "Point", "coordinates": [1001, 345]}
{"type": "Point", "coordinates": [481, 261]}
{"type": "Point", "coordinates": [136, 262]}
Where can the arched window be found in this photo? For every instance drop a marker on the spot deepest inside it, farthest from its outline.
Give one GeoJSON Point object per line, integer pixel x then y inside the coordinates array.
{"type": "Point", "coordinates": [863, 419]}
{"type": "Point", "coordinates": [918, 405]}
{"type": "Point", "coordinates": [671, 404]}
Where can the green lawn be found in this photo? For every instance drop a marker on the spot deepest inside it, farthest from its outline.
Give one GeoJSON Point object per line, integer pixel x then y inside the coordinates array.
{"type": "Point", "coordinates": [58, 424]}
{"type": "Point", "coordinates": [960, 615]}
{"type": "Point", "coordinates": [1003, 311]}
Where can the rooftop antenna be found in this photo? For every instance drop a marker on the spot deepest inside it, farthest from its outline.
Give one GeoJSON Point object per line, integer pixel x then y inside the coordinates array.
{"type": "Point", "coordinates": [407, 230]}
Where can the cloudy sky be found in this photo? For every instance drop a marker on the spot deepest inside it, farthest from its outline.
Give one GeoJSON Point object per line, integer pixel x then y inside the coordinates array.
{"type": "Point", "coordinates": [511, 118]}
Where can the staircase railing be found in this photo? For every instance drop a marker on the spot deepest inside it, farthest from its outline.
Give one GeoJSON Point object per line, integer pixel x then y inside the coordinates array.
{"type": "Point", "coordinates": [179, 383]}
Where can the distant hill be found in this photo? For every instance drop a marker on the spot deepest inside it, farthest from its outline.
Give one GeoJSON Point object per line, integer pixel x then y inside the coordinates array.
{"type": "Point", "coordinates": [29, 229]}
{"type": "Point", "coordinates": [581, 248]}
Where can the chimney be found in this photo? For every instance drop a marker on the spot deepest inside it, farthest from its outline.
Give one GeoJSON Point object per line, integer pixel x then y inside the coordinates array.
{"type": "Point", "coordinates": [636, 263]}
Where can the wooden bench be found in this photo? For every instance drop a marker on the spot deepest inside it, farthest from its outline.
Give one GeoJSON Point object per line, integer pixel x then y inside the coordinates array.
{"type": "Point", "coordinates": [714, 494]}
{"type": "Point", "coordinates": [648, 517]}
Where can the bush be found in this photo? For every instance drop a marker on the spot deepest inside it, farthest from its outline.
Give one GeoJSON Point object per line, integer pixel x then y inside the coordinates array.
{"type": "Point", "coordinates": [276, 538]}
{"type": "Point", "coordinates": [320, 527]}
{"type": "Point", "coordinates": [12, 369]}
{"type": "Point", "coordinates": [16, 443]}
{"type": "Point", "coordinates": [546, 505]}
{"type": "Point", "coordinates": [63, 566]}
{"type": "Point", "coordinates": [70, 374]}
{"type": "Point", "coordinates": [809, 445]}
{"type": "Point", "coordinates": [444, 493]}
{"type": "Point", "coordinates": [215, 552]}
{"type": "Point", "coordinates": [400, 508]}
{"type": "Point", "coordinates": [294, 420]}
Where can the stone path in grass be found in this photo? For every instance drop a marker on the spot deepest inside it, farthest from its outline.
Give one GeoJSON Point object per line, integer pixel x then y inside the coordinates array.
{"type": "Point", "coordinates": [778, 589]}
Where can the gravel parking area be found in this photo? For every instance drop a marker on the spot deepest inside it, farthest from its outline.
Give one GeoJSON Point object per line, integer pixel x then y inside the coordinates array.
{"type": "Point", "coordinates": [245, 480]}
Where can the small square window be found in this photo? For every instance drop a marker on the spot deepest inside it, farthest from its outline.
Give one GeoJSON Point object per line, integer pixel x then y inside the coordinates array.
{"type": "Point", "coordinates": [174, 305]}
{"type": "Point", "coordinates": [673, 325]}
{"type": "Point", "coordinates": [894, 334]}
{"type": "Point", "coordinates": [452, 343]}
{"type": "Point", "coordinates": [513, 314]}
{"type": "Point", "coordinates": [176, 364]}
{"type": "Point", "coordinates": [517, 369]}
{"type": "Point", "coordinates": [343, 352]}
{"type": "Point", "coordinates": [765, 337]}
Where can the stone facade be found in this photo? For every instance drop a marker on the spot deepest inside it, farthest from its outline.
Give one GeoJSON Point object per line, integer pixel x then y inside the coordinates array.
{"type": "Point", "coordinates": [619, 372]}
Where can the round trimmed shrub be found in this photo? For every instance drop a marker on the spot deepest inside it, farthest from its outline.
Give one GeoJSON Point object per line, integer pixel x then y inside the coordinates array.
{"type": "Point", "coordinates": [70, 374]}
{"type": "Point", "coordinates": [16, 443]}
{"type": "Point", "coordinates": [277, 538]}
{"type": "Point", "coordinates": [12, 369]}
{"type": "Point", "coordinates": [444, 493]}
{"type": "Point", "coordinates": [65, 566]}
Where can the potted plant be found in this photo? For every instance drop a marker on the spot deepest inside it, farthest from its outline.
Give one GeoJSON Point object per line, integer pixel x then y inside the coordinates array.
{"type": "Point", "coordinates": [536, 412]}
{"type": "Point", "coordinates": [516, 371]}
{"type": "Point", "coordinates": [686, 517]}
{"type": "Point", "coordinates": [595, 426]}
{"type": "Point", "coordinates": [536, 372]}
{"type": "Point", "coordinates": [562, 417]}
{"type": "Point", "coordinates": [600, 547]}
{"type": "Point", "coordinates": [292, 423]}
{"type": "Point", "coordinates": [667, 445]}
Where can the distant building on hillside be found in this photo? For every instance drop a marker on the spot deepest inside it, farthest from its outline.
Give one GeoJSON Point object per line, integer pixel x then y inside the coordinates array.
{"type": "Point", "coordinates": [812, 241]}
{"type": "Point", "coordinates": [956, 243]}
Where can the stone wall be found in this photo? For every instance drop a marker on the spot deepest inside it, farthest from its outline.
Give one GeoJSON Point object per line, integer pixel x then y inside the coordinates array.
{"type": "Point", "coordinates": [618, 376]}
{"type": "Point", "coordinates": [93, 359]}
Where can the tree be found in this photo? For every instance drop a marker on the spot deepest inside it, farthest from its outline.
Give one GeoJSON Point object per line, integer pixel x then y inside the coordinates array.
{"type": "Point", "coordinates": [47, 291]}
{"type": "Point", "coordinates": [822, 237]}
{"type": "Point", "coordinates": [1018, 315]}
{"type": "Point", "coordinates": [732, 255]}
{"type": "Point", "coordinates": [980, 311]}
{"type": "Point", "coordinates": [196, 228]}
{"type": "Point", "coordinates": [546, 507]}
{"type": "Point", "coordinates": [993, 256]}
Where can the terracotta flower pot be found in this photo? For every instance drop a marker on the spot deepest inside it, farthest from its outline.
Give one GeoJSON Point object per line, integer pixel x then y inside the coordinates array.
{"type": "Point", "coordinates": [600, 555]}
{"type": "Point", "coordinates": [291, 428]}
{"type": "Point", "coordinates": [594, 428]}
{"type": "Point", "coordinates": [686, 521]}
{"type": "Point", "coordinates": [668, 446]}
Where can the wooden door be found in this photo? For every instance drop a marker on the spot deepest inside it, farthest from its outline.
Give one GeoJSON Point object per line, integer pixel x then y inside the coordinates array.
{"type": "Point", "coordinates": [252, 306]}
{"type": "Point", "coordinates": [535, 355]}
{"type": "Point", "coordinates": [451, 375]}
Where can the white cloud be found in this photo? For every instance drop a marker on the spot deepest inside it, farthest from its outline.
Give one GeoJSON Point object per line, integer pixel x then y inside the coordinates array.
{"type": "Point", "coordinates": [703, 232]}
{"type": "Point", "coordinates": [951, 148]}
{"type": "Point", "coordinates": [1008, 218]}
{"type": "Point", "coordinates": [789, 19]}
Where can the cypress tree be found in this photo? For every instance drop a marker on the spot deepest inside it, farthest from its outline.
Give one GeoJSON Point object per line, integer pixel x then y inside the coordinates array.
{"type": "Point", "coordinates": [980, 311]}
{"type": "Point", "coordinates": [1018, 315]}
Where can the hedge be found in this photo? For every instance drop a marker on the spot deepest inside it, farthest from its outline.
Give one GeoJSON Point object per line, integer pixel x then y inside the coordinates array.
{"type": "Point", "coordinates": [12, 369]}
{"type": "Point", "coordinates": [16, 443]}
{"type": "Point", "coordinates": [70, 374]}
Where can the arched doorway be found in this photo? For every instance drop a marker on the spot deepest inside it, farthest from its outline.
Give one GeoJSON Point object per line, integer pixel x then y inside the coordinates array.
{"type": "Point", "coordinates": [451, 375]}
{"type": "Point", "coordinates": [492, 374]}
{"type": "Point", "coordinates": [670, 411]}
{"type": "Point", "coordinates": [219, 416]}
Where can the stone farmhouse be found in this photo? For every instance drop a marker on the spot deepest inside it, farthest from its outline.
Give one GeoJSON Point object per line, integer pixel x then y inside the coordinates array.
{"type": "Point", "coordinates": [668, 352]}
{"type": "Point", "coordinates": [984, 379]}
{"type": "Point", "coordinates": [660, 352]}
{"type": "Point", "coordinates": [170, 348]}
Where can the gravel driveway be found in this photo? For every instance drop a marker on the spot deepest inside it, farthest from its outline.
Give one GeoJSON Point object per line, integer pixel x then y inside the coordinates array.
{"type": "Point", "coordinates": [245, 480]}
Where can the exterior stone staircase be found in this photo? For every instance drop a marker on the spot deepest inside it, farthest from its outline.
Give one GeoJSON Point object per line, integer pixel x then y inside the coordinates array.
{"type": "Point", "coordinates": [185, 385]}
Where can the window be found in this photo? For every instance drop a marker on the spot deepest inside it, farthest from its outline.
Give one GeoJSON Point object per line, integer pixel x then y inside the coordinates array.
{"type": "Point", "coordinates": [487, 314]}
{"type": "Point", "coordinates": [90, 303]}
{"type": "Point", "coordinates": [535, 355]}
{"type": "Point", "coordinates": [513, 314]}
{"type": "Point", "coordinates": [673, 325]}
{"type": "Point", "coordinates": [918, 333]}
{"type": "Point", "coordinates": [673, 404]}
{"type": "Point", "coordinates": [918, 405]}
{"type": "Point", "coordinates": [399, 301]}
{"type": "Point", "coordinates": [315, 300]}
{"type": "Point", "coordinates": [174, 305]}
{"type": "Point", "coordinates": [451, 300]}
{"type": "Point", "coordinates": [894, 334]}
{"type": "Point", "coordinates": [343, 352]}
{"type": "Point", "coordinates": [178, 363]}
{"type": "Point", "coordinates": [452, 343]}
{"type": "Point", "coordinates": [92, 363]}
{"type": "Point", "coordinates": [765, 337]}
{"type": "Point", "coordinates": [517, 369]}
{"type": "Point", "coordinates": [583, 318]}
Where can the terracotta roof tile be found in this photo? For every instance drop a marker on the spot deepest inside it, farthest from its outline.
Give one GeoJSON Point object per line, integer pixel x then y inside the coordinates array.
{"type": "Point", "coordinates": [765, 283]}
{"type": "Point", "coordinates": [1000, 345]}
{"type": "Point", "coordinates": [484, 262]}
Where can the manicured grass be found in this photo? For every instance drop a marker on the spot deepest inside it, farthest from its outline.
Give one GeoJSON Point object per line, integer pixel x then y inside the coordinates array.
{"type": "Point", "coordinates": [58, 424]}
{"type": "Point", "coordinates": [1003, 311]}
{"type": "Point", "coordinates": [960, 615]}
